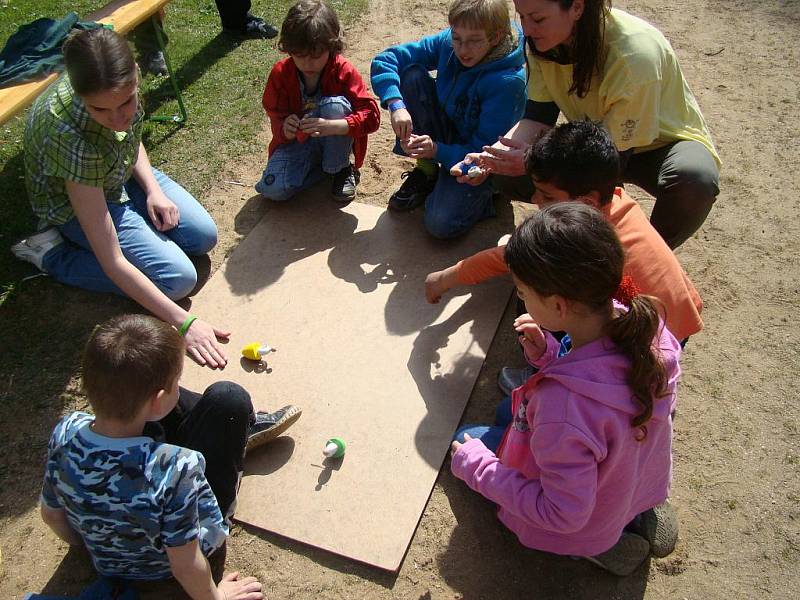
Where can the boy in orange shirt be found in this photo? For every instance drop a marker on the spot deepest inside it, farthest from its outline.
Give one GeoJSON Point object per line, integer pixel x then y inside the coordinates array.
{"type": "Point", "coordinates": [578, 161]}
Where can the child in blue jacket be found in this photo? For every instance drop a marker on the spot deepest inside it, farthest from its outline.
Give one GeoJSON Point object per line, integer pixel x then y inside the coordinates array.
{"type": "Point", "coordinates": [478, 93]}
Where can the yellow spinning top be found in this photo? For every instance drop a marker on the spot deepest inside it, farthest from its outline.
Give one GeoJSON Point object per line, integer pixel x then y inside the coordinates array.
{"type": "Point", "coordinates": [256, 351]}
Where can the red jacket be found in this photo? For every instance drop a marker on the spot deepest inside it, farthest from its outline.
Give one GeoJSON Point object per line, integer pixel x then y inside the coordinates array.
{"type": "Point", "coordinates": [282, 97]}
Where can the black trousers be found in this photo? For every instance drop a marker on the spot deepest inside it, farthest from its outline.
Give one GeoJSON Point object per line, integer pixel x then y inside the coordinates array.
{"type": "Point", "coordinates": [233, 13]}
{"type": "Point", "coordinates": [214, 423]}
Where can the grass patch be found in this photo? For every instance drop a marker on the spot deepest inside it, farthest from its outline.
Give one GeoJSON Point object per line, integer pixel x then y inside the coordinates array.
{"type": "Point", "coordinates": [44, 325]}
{"type": "Point", "coordinates": [222, 80]}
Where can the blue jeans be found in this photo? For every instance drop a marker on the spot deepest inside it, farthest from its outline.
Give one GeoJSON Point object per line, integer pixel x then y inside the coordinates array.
{"type": "Point", "coordinates": [491, 436]}
{"type": "Point", "coordinates": [162, 257]}
{"type": "Point", "coordinates": [296, 166]}
{"type": "Point", "coordinates": [452, 208]}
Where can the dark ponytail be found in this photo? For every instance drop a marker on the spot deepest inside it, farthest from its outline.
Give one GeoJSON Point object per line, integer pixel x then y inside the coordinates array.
{"type": "Point", "coordinates": [98, 60]}
{"type": "Point", "coordinates": [569, 249]}
{"type": "Point", "coordinates": [634, 332]}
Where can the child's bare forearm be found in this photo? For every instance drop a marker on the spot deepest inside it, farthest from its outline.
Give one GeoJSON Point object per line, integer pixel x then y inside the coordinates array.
{"type": "Point", "coordinates": [190, 567]}
{"type": "Point", "coordinates": [439, 282]}
{"type": "Point", "coordinates": [56, 520]}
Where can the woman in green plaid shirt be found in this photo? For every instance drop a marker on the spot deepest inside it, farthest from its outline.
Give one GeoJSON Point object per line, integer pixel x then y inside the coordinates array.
{"type": "Point", "coordinates": [111, 222]}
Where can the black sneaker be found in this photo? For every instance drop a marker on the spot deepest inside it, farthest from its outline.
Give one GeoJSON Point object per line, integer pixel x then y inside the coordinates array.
{"type": "Point", "coordinates": [255, 28]}
{"type": "Point", "coordinates": [268, 426]}
{"type": "Point", "coordinates": [344, 184]}
{"type": "Point", "coordinates": [415, 189]}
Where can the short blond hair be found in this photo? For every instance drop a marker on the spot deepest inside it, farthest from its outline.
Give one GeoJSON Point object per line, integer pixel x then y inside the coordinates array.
{"type": "Point", "coordinates": [490, 15]}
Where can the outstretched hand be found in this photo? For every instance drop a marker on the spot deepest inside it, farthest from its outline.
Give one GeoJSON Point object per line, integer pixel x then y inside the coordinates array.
{"type": "Point", "coordinates": [506, 159]}
{"type": "Point", "coordinates": [202, 344]}
{"type": "Point", "coordinates": [233, 587]}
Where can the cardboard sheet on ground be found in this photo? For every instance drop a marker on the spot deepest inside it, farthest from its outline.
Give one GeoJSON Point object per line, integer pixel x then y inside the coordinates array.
{"type": "Point", "coordinates": [340, 294]}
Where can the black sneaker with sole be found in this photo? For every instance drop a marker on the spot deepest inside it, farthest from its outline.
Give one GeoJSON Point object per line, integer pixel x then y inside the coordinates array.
{"type": "Point", "coordinates": [255, 28]}
{"type": "Point", "coordinates": [344, 184]}
{"type": "Point", "coordinates": [268, 426]}
{"type": "Point", "coordinates": [413, 192]}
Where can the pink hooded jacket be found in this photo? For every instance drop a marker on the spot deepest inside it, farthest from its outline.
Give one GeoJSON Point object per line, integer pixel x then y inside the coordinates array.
{"type": "Point", "coordinates": [570, 473]}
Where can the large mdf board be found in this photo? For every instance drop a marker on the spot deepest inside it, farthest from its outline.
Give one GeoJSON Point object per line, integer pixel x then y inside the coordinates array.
{"type": "Point", "coordinates": [340, 294]}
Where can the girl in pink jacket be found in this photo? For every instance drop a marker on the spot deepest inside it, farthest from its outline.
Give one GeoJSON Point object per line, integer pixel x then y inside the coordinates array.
{"type": "Point", "coordinates": [583, 465]}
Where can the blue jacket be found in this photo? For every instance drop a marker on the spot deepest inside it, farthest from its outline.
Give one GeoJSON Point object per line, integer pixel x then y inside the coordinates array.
{"type": "Point", "coordinates": [483, 101]}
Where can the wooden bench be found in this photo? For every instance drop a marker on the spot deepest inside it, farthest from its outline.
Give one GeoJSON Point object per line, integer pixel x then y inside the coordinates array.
{"type": "Point", "coordinates": [123, 16]}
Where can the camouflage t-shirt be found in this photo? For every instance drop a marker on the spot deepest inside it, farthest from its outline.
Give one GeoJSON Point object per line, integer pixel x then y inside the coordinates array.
{"type": "Point", "coordinates": [130, 498]}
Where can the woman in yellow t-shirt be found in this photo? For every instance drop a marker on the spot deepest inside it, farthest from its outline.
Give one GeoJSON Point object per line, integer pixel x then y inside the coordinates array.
{"type": "Point", "coordinates": [589, 61]}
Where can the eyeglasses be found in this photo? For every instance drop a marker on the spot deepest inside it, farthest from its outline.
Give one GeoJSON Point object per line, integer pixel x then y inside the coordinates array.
{"type": "Point", "coordinates": [471, 44]}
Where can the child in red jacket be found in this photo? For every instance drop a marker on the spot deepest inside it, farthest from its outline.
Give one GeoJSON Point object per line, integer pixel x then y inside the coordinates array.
{"type": "Point", "coordinates": [319, 108]}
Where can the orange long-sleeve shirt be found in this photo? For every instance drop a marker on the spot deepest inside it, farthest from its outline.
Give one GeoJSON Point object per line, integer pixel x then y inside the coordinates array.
{"type": "Point", "coordinates": [648, 261]}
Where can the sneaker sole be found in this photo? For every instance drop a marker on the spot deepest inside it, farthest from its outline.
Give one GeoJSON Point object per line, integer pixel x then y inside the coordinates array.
{"type": "Point", "coordinates": [286, 421]}
{"type": "Point", "coordinates": [405, 207]}
{"type": "Point", "coordinates": [624, 557]}
{"type": "Point", "coordinates": [343, 199]}
{"type": "Point", "coordinates": [659, 527]}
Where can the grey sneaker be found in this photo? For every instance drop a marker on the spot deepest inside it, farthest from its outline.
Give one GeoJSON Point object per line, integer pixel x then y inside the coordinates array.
{"type": "Point", "coordinates": [255, 28]}
{"type": "Point", "coordinates": [624, 557]}
{"type": "Point", "coordinates": [268, 426]}
{"type": "Point", "coordinates": [154, 62]}
{"type": "Point", "coordinates": [510, 379]}
{"type": "Point", "coordinates": [34, 248]}
{"type": "Point", "coordinates": [344, 184]}
{"type": "Point", "coordinates": [659, 526]}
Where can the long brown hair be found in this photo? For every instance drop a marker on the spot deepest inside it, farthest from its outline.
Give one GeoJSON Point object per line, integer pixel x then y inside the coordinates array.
{"type": "Point", "coordinates": [587, 51]}
{"type": "Point", "coordinates": [569, 249]}
{"type": "Point", "coordinates": [98, 60]}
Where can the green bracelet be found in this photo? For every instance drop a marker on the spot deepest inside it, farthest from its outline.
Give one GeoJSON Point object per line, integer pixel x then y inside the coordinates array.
{"type": "Point", "coordinates": [186, 324]}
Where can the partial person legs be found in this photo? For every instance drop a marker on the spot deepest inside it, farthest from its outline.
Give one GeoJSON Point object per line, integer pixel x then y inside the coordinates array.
{"type": "Point", "coordinates": [451, 208]}
{"type": "Point", "coordinates": [236, 19]}
{"type": "Point", "coordinates": [336, 150]}
{"type": "Point", "coordinates": [418, 89]}
{"type": "Point", "coordinates": [684, 179]}
{"type": "Point", "coordinates": [222, 425]}
{"type": "Point", "coordinates": [162, 257]}
{"type": "Point", "coordinates": [296, 166]}
{"type": "Point", "coordinates": [145, 40]}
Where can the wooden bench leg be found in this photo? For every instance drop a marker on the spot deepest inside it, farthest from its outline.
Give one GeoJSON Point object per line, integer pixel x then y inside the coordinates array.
{"type": "Point", "coordinates": [181, 118]}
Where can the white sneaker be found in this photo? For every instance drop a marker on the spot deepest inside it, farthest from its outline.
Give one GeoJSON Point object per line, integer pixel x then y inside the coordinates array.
{"type": "Point", "coordinates": [34, 248]}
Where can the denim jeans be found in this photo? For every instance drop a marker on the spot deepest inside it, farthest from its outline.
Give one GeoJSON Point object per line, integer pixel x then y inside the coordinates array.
{"type": "Point", "coordinates": [162, 257]}
{"type": "Point", "coordinates": [452, 208]}
{"type": "Point", "coordinates": [296, 166]}
{"type": "Point", "coordinates": [491, 436]}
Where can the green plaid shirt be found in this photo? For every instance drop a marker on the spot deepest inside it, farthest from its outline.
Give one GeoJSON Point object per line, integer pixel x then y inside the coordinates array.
{"type": "Point", "coordinates": [62, 142]}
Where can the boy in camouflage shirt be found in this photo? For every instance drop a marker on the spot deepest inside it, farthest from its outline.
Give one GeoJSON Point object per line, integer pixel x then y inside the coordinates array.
{"type": "Point", "coordinates": [149, 510]}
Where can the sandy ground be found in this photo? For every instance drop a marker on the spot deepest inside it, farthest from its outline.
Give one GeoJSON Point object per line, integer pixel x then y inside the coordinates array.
{"type": "Point", "coordinates": [737, 441]}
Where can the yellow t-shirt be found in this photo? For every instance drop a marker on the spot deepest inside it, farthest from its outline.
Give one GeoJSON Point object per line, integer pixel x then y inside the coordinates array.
{"type": "Point", "coordinates": [641, 98]}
